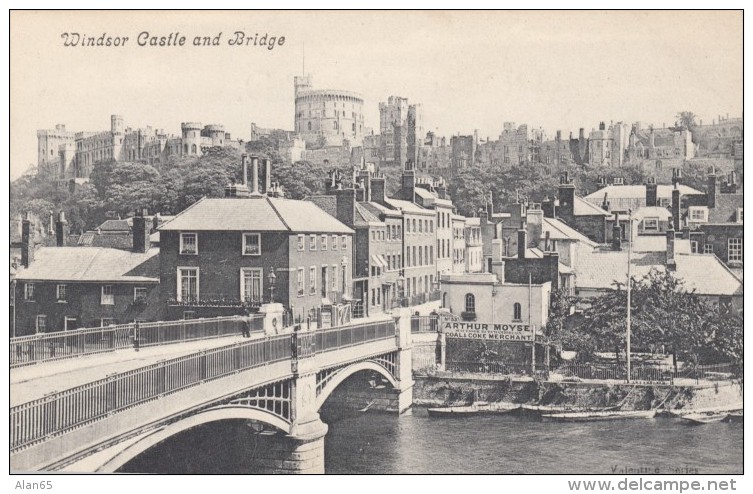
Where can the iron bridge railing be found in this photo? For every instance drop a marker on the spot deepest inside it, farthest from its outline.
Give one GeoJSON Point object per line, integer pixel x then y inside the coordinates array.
{"type": "Point", "coordinates": [60, 412]}
{"type": "Point", "coordinates": [43, 347]}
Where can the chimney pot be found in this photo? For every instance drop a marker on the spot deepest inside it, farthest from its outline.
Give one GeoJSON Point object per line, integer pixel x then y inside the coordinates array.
{"type": "Point", "coordinates": [255, 176]}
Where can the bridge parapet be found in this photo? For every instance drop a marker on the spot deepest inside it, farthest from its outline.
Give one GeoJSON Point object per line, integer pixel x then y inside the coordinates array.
{"type": "Point", "coordinates": [62, 427]}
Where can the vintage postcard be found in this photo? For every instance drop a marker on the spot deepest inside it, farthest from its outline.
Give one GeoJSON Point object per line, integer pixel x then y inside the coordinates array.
{"type": "Point", "coordinates": [377, 242]}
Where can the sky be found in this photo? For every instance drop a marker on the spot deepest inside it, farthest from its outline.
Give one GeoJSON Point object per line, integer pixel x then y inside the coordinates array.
{"type": "Point", "coordinates": [470, 70]}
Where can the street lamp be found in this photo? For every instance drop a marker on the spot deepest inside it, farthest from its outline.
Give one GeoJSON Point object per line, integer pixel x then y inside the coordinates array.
{"type": "Point", "coordinates": [272, 279]}
{"type": "Point", "coordinates": [627, 322]}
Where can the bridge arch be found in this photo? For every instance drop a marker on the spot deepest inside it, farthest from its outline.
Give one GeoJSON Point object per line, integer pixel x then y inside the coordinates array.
{"type": "Point", "coordinates": [224, 412]}
{"type": "Point", "coordinates": [344, 373]}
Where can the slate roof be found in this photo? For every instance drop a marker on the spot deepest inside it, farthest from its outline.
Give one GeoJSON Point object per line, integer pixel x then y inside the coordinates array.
{"type": "Point", "coordinates": [407, 206]}
{"type": "Point", "coordinates": [650, 243]}
{"type": "Point", "coordinates": [725, 209]}
{"type": "Point", "coordinates": [92, 264]}
{"type": "Point", "coordinates": [560, 231]}
{"type": "Point", "coordinates": [703, 273]}
{"type": "Point", "coordinates": [363, 215]}
{"type": "Point", "coordinates": [257, 214]}
{"type": "Point", "coordinates": [652, 212]}
{"type": "Point", "coordinates": [638, 192]}
{"type": "Point", "coordinates": [122, 240]}
{"type": "Point", "coordinates": [115, 226]}
{"type": "Point", "coordinates": [581, 207]}
{"type": "Point", "coordinates": [378, 209]}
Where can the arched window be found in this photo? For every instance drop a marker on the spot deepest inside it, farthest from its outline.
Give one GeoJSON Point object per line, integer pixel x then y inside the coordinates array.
{"type": "Point", "coordinates": [193, 148]}
{"type": "Point", "coordinates": [309, 125]}
{"type": "Point", "coordinates": [337, 126]}
{"type": "Point", "coordinates": [516, 312]}
{"type": "Point", "coordinates": [470, 303]}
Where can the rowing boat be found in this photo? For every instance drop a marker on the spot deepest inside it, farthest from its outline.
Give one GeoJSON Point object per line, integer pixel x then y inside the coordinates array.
{"type": "Point", "coordinates": [588, 416]}
{"type": "Point", "coordinates": [704, 418]}
{"type": "Point", "coordinates": [479, 408]}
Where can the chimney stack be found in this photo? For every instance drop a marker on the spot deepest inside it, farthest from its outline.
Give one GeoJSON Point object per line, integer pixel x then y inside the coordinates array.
{"type": "Point", "coordinates": [346, 206]}
{"type": "Point", "coordinates": [676, 208]}
{"type": "Point", "coordinates": [605, 203]}
{"type": "Point", "coordinates": [27, 241]}
{"type": "Point", "coordinates": [522, 241]}
{"type": "Point", "coordinates": [671, 264]}
{"type": "Point", "coordinates": [566, 206]}
{"type": "Point", "coordinates": [61, 230]}
{"type": "Point", "coordinates": [377, 189]}
{"type": "Point", "coordinates": [547, 242]}
{"type": "Point", "coordinates": [267, 175]}
{"type": "Point", "coordinates": [407, 191]}
{"type": "Point", "coordinates": [51, 231]}
{"type": "Point", "coordinates": [676, 176]}
{"type": "Point", "coordinates": [244, 165]}
{"type": "Point", "coordinates": [616, 234]}
{"type": "Point", "coordinates": [651, 192]}
{"type": "Point", "coordinates": [140, 232]}
{"type": "Point", "coordinates": [711, 188]}
{"type": "Point", "coordinates": [255, 176]}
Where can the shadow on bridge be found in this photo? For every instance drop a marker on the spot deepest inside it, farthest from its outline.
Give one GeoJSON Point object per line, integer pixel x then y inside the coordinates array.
{"type": "Point", "coordinates": [278, 394]}
{"type": "Point", "coordinates": [237, 439]}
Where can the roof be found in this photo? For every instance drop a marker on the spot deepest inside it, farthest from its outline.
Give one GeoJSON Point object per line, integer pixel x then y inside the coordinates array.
{"type": "Point", "coordinates": [725, 209]}
{"type": "Point", "coordinates": [121, 240]}
{"type": "Point", "coordinates": [115, 226]}
{"type": "Point", "coordinates": [407, 206]}
{"type": "Point", "coordinates": [581, 207]}
{"type": "Point", "coordinates": [652, 212]}
{"type": "Point", "coordinates": [363, 215]}
{"type": "Point", "coordinates": [639, 192]}
{"type": "Point", "coordinates": [255, 214]}
{"type": "Point", "coordinates": [92, 264]}
{"type": "Point", "coordinates": [560, 231]}
{"type": "Point", "coordinates": [378, 209]}
{"type": "Point", "coordinates": [431, 197]}
{"type": "Point", "coordinates": [703, 273]}
{"type": "Point", "coordinates": [650, 243]}
{"type": "Point", "coordinates": [473, 221]}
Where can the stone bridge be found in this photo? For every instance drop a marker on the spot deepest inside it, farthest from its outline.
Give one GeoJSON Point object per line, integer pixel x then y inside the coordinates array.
{"type": "Point", "coordinates": [277, 383]}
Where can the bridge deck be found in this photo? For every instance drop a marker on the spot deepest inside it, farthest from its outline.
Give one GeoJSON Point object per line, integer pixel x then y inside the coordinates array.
{"type": "Point", "coordinates": [31, 383]}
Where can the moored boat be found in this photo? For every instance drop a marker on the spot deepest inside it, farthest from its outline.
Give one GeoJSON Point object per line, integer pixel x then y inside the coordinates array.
{"type": "Point", "coordinates": [735, 417]}
{"type": "Point", "coordinates": [594, 415]}
{"type": "Point", "coordinates": [704, 417]}
{"type": "Point", "coordinates": [479, 408]}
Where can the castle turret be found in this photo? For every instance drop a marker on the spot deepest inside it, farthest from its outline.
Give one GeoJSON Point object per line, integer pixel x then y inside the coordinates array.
{"type": "Point", "coordinates": [191, 134]}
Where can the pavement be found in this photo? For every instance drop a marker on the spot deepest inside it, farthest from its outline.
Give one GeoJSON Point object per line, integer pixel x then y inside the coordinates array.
{"type": "Point", "coordinates": [35, 381]}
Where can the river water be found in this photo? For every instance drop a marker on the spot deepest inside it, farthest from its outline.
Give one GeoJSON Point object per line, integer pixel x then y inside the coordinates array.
{"type": "Point", "coordinates": [382, 443]}
{"type": "Point", "coordinates": [374, 443]}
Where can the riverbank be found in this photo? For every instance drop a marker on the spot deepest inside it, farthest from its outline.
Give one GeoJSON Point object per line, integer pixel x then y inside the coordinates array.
{"type": "Point", "coordinates": [434, 391]}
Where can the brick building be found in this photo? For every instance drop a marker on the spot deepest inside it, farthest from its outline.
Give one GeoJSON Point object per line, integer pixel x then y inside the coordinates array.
{"type": "Point", "coordinates": [63, 288]}
{"type": "Point", "coordinates": [218, 254]}
{"type": "Point", "coordinates": [576, 212]}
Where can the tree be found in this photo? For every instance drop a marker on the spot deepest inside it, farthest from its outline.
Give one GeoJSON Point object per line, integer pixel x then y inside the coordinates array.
{"type": "Point", "coordinates": [686, 120]}
{"type": "Point", "coordinates": [469, 190]}
{"type": "Point", "coordinates": [663, 314]}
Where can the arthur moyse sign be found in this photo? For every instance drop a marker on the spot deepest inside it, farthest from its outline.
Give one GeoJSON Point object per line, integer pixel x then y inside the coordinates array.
{"type": "Point", "coordinates": [488, 331]}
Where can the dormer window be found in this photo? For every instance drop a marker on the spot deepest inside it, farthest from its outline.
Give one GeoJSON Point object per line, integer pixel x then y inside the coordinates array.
{"type": "Point", "coordinates": [651, 224]}
{"type": "Point", "coordinates": [698, 214]}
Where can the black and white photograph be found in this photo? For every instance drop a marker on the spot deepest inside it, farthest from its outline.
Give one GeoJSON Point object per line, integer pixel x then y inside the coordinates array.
{"type": "Point", "coordinates": [377, 242]}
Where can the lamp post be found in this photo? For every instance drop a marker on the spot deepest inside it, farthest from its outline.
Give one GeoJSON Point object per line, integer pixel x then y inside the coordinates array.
{"type": "Point", "coordinates": [272, 279]}
{"type": "Point", "coordinates": [628, 322]}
